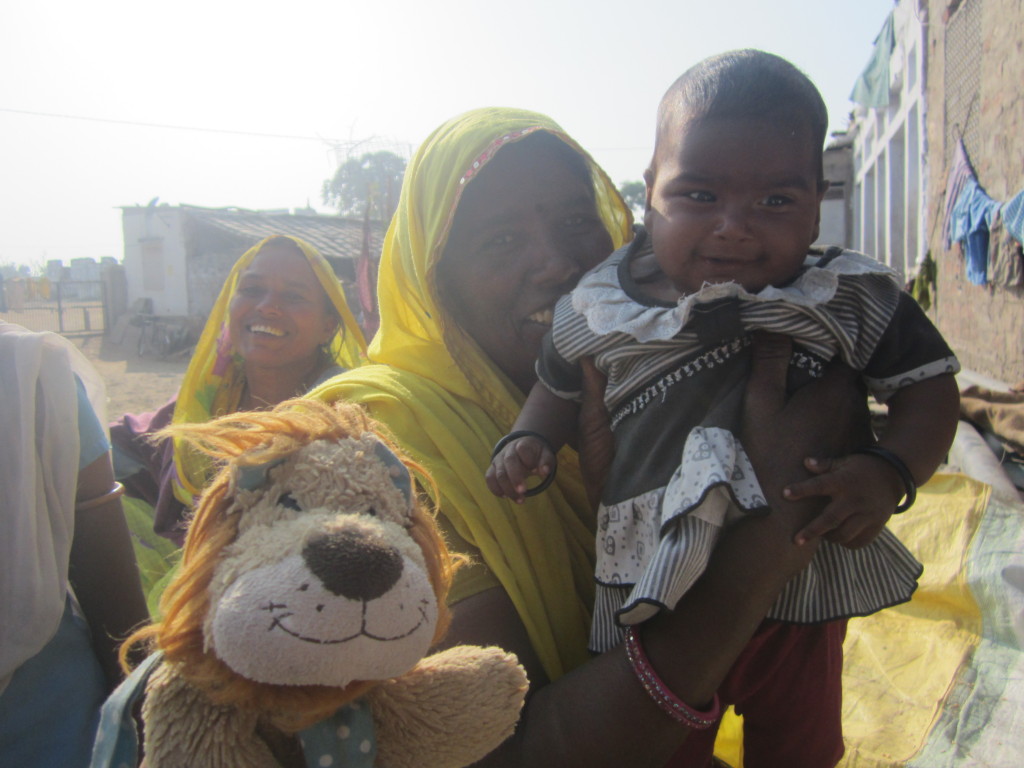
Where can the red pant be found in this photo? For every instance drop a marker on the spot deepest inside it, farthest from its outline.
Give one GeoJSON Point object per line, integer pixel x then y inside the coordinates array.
{"type": "Point", "coordinates": [787, 684]}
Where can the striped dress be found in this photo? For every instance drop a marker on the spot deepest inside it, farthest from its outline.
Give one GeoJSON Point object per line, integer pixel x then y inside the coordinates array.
{"type": "Point", "coordinates": [676, 377]}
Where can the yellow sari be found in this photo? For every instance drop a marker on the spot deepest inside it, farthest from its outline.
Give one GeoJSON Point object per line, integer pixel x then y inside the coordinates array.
{"type": "Point", "coordinates": [213, 382]}
{"type": "Point", "coordinates": [447, 404]}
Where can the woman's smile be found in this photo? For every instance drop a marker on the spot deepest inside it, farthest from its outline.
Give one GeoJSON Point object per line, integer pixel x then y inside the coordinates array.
{"type": "Point", "coordinates": [542, 317]}
{"type": "Point", "coordinates": [265, 330]}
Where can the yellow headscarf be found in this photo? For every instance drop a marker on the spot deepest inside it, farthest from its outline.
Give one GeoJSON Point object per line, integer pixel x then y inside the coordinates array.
{"type": "Point", "coordinates": [213, 383]}
{"type": "Point", "coordinates": [447, 404]}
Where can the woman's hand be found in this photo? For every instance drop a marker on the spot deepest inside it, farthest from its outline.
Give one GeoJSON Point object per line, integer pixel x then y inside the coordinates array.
{"type": "Point", "coordinates": [862, 493]}
{"type": "Point", "coordinates": [827, 417]}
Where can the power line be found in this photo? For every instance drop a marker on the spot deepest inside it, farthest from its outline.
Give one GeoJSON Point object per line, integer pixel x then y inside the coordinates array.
{"type": "Point", "coordinates": [336, 143]}
{"type": "Point", "coordinates": [138, 124]}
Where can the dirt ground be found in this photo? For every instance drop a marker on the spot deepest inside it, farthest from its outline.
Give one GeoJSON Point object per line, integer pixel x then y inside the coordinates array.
{"type": "Point", "coordinates": [134, 384]}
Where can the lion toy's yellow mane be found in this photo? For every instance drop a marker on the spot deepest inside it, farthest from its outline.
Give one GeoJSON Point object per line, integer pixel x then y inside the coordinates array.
{"type": "Point", "coordinates": [252, 439]}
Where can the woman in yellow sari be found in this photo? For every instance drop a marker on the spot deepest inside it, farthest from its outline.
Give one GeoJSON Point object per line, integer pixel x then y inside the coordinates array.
{"type": "Point", "coordinates": [500, 213]}
{"type": "Point", "coordinates": [279, 326]}
{"type": "Point", "coordinates": [447, 402]}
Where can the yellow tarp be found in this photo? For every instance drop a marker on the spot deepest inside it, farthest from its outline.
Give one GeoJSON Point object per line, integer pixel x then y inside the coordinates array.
{"type": "Point", "coordinates": [901, 663]}
{"type": "Point", "coordinates": [926, 682]}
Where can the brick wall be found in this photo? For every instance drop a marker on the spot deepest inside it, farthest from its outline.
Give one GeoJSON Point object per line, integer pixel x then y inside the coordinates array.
{"type": "Point", "coordinates": [976, 89]}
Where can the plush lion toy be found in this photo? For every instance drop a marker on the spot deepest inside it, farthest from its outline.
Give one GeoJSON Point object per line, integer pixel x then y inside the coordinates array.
{"type": "Point", "coordinates": [312, 588]}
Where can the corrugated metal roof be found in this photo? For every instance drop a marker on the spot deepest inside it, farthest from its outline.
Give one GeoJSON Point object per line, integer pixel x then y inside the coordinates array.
{"type": "Point", "coordinates": [335, 237]}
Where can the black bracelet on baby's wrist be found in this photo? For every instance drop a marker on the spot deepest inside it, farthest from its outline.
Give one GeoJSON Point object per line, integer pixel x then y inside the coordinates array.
{"type": "Point", "coordinates": [543, 484]}
{"type": "Point", "coordinates": [909, 486]}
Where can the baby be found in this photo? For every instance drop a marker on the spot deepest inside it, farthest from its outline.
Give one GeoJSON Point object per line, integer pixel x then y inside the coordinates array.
{"type": "Point", "coordinates": [733, 198]}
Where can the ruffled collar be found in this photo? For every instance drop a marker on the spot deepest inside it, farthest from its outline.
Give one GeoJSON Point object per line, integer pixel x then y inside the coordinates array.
{"type": "Point", "coordinates": [612, 303]}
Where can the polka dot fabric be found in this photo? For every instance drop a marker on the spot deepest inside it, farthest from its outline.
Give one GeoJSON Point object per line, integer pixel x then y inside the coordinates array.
{"type": "Point", "coordinates": [344, 740]}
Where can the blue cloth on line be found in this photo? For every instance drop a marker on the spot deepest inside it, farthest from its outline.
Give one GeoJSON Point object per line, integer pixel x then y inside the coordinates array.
{"type": "Point", "coordinates": [972, 215]}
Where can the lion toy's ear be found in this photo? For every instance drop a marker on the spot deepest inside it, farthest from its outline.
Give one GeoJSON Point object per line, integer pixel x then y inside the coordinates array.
{"type": "Point", "coordinates": [311, 590]}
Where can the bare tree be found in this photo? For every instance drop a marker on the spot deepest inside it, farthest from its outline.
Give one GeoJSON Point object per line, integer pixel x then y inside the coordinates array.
{"type": "Point", "coordinates": [635, 195]}
{"type": "Point", "coordinates": [366, 186]}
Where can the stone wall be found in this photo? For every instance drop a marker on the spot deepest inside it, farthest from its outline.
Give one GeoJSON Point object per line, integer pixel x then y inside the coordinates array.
{"type": "Point", "coordinates": [976, 90]}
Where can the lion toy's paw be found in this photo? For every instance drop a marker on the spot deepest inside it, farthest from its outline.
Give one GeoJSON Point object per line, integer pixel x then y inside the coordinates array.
{"type": "Point", "coordinates": [451, 710]}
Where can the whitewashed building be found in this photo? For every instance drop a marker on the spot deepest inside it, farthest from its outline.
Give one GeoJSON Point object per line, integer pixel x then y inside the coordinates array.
{"type": "Point", "coordinates": [887, 132]}
{"type": "Point", "coordinates": [177, 257]}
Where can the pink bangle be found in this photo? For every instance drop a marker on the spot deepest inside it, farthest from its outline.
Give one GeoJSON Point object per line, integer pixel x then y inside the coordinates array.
{"type": "Point", "coordinates": [671, 704]}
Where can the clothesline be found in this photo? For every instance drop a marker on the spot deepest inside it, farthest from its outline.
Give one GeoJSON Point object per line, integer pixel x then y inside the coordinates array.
{"type": "Point", "coordinates": [989, 232]}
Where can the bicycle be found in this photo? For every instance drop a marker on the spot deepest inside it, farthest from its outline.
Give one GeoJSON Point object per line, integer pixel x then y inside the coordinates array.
{"type": "Point", "coordinates": [159, 337]}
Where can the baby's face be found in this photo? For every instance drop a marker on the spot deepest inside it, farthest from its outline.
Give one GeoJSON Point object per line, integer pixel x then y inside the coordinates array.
{"type": "Point", "coordinates": [733, 200]}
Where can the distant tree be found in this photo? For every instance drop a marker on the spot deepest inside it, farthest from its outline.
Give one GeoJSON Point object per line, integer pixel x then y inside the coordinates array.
{"type": "Point", "coordinates": [11, 270]}
{"type": "Point", "coordinates": [635, 195]}
{"type": "Point", "coordinates": [366, 186]}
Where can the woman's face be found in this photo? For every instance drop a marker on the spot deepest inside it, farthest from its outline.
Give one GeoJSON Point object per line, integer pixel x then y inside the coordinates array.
{"type": "Point", "coordinates": [525, 231]}
{"type": "Point", "coordinates": [279, 315]}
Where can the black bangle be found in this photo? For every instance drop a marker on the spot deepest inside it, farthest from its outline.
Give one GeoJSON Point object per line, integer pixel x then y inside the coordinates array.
{"type": "Point", "coordinates": [909, 486]}
{"type": "Point", "coordinates": [543, 484]}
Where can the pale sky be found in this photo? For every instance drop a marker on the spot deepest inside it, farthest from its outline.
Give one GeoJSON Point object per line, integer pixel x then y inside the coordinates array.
{"type": "Point", "coordinates": [382, 74]}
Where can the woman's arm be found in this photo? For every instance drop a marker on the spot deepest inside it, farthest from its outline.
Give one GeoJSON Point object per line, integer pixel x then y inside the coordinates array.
{"type": "Point", "coordinates": [103, 570]}
{"type": "Point", "coordinates": [599, 714]}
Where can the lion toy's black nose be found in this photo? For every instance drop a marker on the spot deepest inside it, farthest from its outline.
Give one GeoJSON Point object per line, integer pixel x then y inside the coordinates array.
{"type": "Point", "coordinates": [355, 563]}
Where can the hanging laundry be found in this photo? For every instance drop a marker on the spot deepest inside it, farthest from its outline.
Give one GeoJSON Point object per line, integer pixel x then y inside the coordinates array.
{"type": "Point", "coordinates": [971, 217]}
{"type": "Point", "coordinates": [923, 284]}
{"type": "Point", "coordinates": [872, 87]}
{"type": "Point", "coordinates": [1013, 217]}
{"type": "Point", "coordinates": [1005, 266]}
{"type": "Point", "coordinates": [960, 172]}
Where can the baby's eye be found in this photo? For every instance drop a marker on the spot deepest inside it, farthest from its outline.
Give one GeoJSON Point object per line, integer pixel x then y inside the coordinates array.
{"type": "Point", "coordinates": [288, 501]}
{"type": "Point", "coordinates": [576, 220]}
{"type": "Point", "coordinates": [250, 291]}
{"type": "Point", "coordinates": [500, 240]}
{"type": "Point", "coordinates": [700, 196]}
{"type": "Point", "coordinates": [774, 201]}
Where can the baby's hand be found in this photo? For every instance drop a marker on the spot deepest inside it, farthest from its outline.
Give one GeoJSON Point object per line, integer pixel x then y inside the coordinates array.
{"type": "Point", "coordinates": [864, 492]}
{"type": "Point", "coordinates": [515, 462]}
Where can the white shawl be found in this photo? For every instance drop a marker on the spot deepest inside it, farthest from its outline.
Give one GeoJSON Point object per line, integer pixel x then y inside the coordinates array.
{"type": "Point", "coordinates": [39, 454]}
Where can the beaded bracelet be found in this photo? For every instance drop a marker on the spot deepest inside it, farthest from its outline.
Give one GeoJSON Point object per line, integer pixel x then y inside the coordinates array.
{"type": "Point", "coordinates": [671, 704]}
{"type": "Point", "coordinates": [96, 501]}
{"type": "Point", "coordinates": [543, 484]}
{"type": "Point", "coordinates": [909, 486]}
